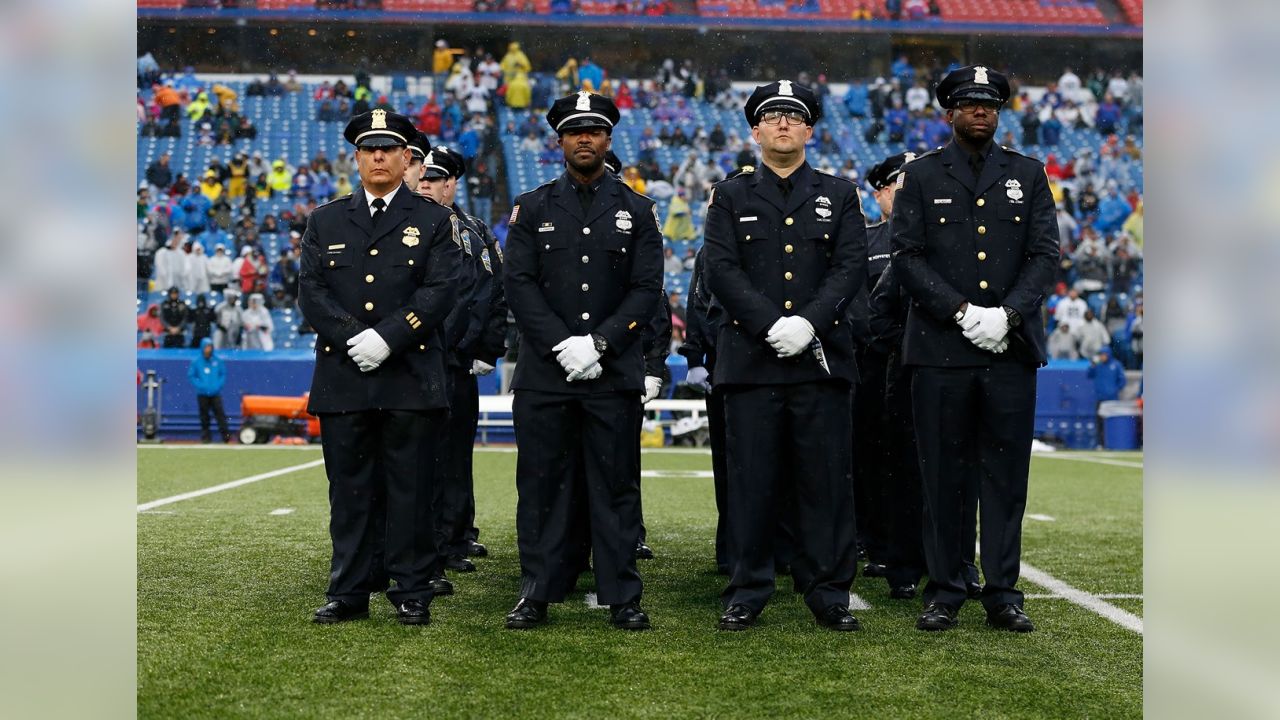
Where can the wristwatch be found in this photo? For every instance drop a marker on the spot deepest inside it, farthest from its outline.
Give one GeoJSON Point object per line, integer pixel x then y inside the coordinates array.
{"type": "Point", "coordinates": [1014, 317]}
{"type": "Point", "coordinates": [601, 344]}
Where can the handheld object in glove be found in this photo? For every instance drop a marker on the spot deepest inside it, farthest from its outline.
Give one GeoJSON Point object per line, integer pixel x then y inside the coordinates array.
{"type": "Point", "coordinates": [479, 367]}
{"type": "Point", "coordinates": [790, 336]}
{"type": "Point", "coordinates": [368, 349]}
{"type": "Point", "coordinates": [969, 317]}
{"type": "Point", "coordinates": [577, 352]}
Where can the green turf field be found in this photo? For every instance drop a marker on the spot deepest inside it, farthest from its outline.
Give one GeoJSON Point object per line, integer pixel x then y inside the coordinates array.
{"type": "Point", "coordinates": [226, 590]}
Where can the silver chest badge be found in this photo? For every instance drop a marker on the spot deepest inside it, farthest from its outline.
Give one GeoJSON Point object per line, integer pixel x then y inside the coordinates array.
{"type": "Point", "coordinates": [623, 220]}
{"type": "Point", "coordinates": [822, 206]}
{"type": "Point", "coordinates": [1014, 190]}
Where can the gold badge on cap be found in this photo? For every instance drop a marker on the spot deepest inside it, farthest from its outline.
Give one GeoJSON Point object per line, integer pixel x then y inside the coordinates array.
{"type": "Point", "coordinates": [980, 76]}
{"type": "Point", "coordinates": [379, 119]}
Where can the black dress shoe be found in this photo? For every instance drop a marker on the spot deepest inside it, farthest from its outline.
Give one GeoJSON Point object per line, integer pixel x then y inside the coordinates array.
{"type": "Point", "coordinates": [628, 616]}
{"type": "Point", "coordinates": [738, 617]}
{"type": "Point", "coordinates": [838, 617]}
{"type": "Point", "coordinates": [643, 552]}
{"type": "Point", "coordinates": [526, 614]}
{"type": "Point", "coordinates": [336, 611]}
{"type": "Point", "coordinates": [902, 592]}
{"type": "Point", "coordinates": [413, 612]}
{"type": "Point", "coordinates": [973, 590]}
{"type": "Point", "coordinates": [937, 616]}
{"type": "Point", "coordinates": [440, 585]}
{"type": "Point", "coordinates": [475, 549]}
{"type": "Point", "coordinates": [1010, 617]}
{"type": "Point", "coordinates": [457, 563]}
{"type": "Point", "coordinates": [874, 570]}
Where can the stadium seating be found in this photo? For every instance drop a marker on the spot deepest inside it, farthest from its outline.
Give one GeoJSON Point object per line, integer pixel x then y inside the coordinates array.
{"type": "Point", "coordinates": [983, 11]}
{"type": "Point", "coordinates": [1132, 10]}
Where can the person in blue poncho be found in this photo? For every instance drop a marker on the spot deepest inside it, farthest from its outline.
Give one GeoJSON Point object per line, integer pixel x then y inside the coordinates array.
{"type": "Point", "coordinates": [208, 373]}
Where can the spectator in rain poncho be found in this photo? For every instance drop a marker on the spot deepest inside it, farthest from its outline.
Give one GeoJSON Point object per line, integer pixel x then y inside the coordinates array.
{"type": "Point", "coordinates": [170, 262]}
{"type": "Point", "coordinates": [258, 325]}
{"type": "Point", "coordinates": [514, 63]}
{"type": "Point", "coordinates": [228, 320]}
{"type": "Point", "coordinates": [195, 275]}
{"type": "Point", "coordinates": [219, 268]}
{"type": "Point", "coordinates": [679, 224]}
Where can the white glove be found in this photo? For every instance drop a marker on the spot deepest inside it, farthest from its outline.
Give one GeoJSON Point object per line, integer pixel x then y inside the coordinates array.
{"type": "Point", "coordinates": [990, 331]}
{"type": "Point", "coordinates": [576, 353]}
{"type": "Point", "coordinates": [790, 335]}
{"type": "Point", "coordinates": [652, 386]}
{"type": "Point", "coordinates": [590, 373]}
{"type": "Point", "coordinates": [368, 349]}
{"type": "Point", "coordinates": [699, 377]}
{"type": "Point", "coordinates": [479, 367]}
{"type": "Point", "coordinates": [972, 314]}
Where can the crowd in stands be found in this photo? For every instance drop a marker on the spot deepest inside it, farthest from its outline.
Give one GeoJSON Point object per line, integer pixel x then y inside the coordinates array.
{"type": "Point", "coordinates": [205, 234]}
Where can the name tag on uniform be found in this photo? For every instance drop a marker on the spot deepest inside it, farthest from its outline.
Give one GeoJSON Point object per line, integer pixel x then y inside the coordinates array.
{"type": "Point", "coordinates": [942, 201]}
{"type": "Point", "coordinates": [336, 248]}
{"type": "Point", "coordinates": [749, 218]}
{"type": "Point", "coordinates": [547, 228]}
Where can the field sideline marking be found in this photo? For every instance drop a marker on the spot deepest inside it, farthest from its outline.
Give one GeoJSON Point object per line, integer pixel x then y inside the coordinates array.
{"type": "Point", "coordinates": [228, 485]}
{"type": "Point", "coordinates": [1098, 460]}
{"type": "Point", "coordinates": [1123, 618]}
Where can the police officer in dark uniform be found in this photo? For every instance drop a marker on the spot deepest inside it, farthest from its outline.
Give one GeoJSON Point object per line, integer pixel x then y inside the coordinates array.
{"type": "Point", "coordinates": [379, 272]}
{"type": "Point", "coordinates": [975, 242]}
{"type": "Point", "coordinates": [786, 254]}
{"type": "Point", "coordinates": [583, 273]}
{"type": "Point", "coordinates": [482, 344]}
{"type": "Point", "coordinates": [895, 503]}
{"type": "Point", "coordinates": [455, 496]}
{"type": "Point", "coordinates": [868, 402]}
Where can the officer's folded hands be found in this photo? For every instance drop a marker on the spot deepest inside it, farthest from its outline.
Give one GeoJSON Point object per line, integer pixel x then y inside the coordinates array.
{"type": "Point", "coordinates": [790, 335]}
{"type": "Point", "coordinates": [990, 330]}
{"type": "Point", "coordinates": [368, 349]}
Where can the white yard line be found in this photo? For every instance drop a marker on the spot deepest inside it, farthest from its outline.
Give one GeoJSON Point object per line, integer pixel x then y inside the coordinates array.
{"type": "Point", "coordinates": [676, 473]}
{"type": "Point", "coordinates": [1101, 596]}
{"type": "Point", "coordinates": [1093, 603]}
{"type": "Point", "coordinates": [197, 446]}
{"type": "Point", "coordinates": [857, 603]}
{"type": "Point", "coordinates": [281, 511]}
{"type": "Point", "coordinates": [590, 600]}
{"type": "Point", "coordinates": [1082, 458]}
{"type": "Point", "coordinates": [1041, 518]}
{"type": "Point", "coordinates": [229, 485]}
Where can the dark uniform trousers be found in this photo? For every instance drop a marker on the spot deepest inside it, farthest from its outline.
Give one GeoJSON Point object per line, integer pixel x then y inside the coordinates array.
{"type": "Point", "coordinates": [455, 494]}
{"type": "Point", "coordinates": [395, 486]}
{"type": "Point", "coordinates": [990, 457]}
{"type": "Point", "coordinates": [781, 432]}
{"type": "Point", "coordinates": [871, 482]}
{"type": "Point", "coordinates": [901, 504]}
{"type": "Point", "coordinates": [978, 229]}
{"type": "Point", "coordinates": [778, 248]}
{"type": "Point", "coordinates": [574, 440]}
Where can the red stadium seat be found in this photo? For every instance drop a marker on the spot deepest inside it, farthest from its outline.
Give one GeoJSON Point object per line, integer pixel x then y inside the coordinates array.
{"type": "Point", "coordinates": [167, 4]}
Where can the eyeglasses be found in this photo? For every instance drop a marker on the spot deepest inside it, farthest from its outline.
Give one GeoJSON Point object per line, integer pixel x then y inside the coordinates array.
{"type": "Point", "coordinates": [969, 106]}
{"type": "Point", "coordinates": [774, 117]}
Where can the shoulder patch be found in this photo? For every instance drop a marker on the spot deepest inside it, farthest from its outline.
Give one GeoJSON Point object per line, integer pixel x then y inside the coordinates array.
{"type": "Point", "coordinates": [457, 235]}
{"type": "Point", "coordinates": [484, 258]}
{"type": "Point", "coordinates": [515, 213]}
{"type": "Point", "coordinates": [656, 221]}
{"type": "Point", "coordinates": [497, 249]}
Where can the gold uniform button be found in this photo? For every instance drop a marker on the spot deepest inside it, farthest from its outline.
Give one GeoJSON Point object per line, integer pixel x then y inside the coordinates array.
{"type": "Point", "coordinates": [373, 251]}
{"type": "Point", "coordinates": [585, 259]}
{"type": "Point", "coordinates": [981, 202]}
{"type": "Point", "coordinates": [788, 275]}
{"type": "Point", "coordinates": [585, 287]}
{"type": "Point", "coordinates": [825, 236]}
{"type": "Point", "coordinates": [982, 229]}
{"type": "Point", "coordinates": [422, 347]}
{"type": "Point", "coordinates": [748, 237]}
{"type": "Point", "coordinates": [787, 304]}
{"type": "Point", "coordinates": [332, 263]}
{"type": "Point", "coordinates": [983, 284]}
{"type": "Point", "coordinates": [368, 306]}
{"type": "Point", "coordinates": [586, 316]}
{"type": "Point", "coordinates": [982, 255]}
{"type": "Point", "coordinates": [624, 251]}
{"type": "Point", "coordinates": [942, 221]}
{"type": "Point", "coordinates": [328, 349]}
{"type": "Point", "coordinates": [735, 322]}
{"type": "Point", "coordinates": [368, 278]}
{"type": "Point", "coordinates": [410, 261]}
{"type": "Point", "coordinates": [791, 221]}
{"type": "Point", "coordinates": [546, 247]}
{"type": "Point", "coordinates": [837, 322]}
{"type": "Point", "coordinates": [1017, 218]}
{"type": "Point", "coordinates": [788, 248]}
{"type": "Point", "coordinates": [586, 231]}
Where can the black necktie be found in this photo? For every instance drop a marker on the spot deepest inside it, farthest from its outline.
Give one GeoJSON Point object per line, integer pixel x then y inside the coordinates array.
{"type": "Point", "coordinates": [785, 186]}
{"type": "Point", "coordinates": [585, 197]}
{"type": "Point", "coordinates": [379, 209]}
{"type": "Point", "coordinates": [976, 161]}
